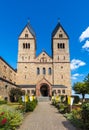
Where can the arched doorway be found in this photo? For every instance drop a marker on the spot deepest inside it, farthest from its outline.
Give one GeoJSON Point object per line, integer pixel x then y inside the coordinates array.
{"type": "Point", "coordinates": [43, 88]}
{"type": "Point", "coordinates": [44, 91]}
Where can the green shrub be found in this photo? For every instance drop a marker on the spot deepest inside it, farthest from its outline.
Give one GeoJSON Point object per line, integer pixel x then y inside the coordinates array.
{"type": "Point", "coordinates": [75, 118]}
{"type": "Point", "coordinates": [21, 108]}
{"type": "Point", "coordinates": [30, 105]}
{"type": "Point", "coordinates": [85, 115]}
{"type": "Point", "coordinates": [10, 118]}
{"type": "Point", "coordinates": [53, 102]}
{"type": "Point", "coordinates": [63, 108]}
{"type": "Point", "coordinates": [3, 102]}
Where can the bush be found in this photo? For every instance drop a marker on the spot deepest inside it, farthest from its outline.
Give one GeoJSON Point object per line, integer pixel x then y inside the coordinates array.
{"type": "Point", "coordinates": [75, 118]}
{"type": "Point", "coordinates": [3, 102]}
{"type": "Point", "coordinates": [21, 108]}
{"type": "Point", "coordinates": [30, 105]}
{"type": "Point", "coordinates": [10, 119]}
{"type": "Point", "coordinates": [15, 94]}
{"type": "Point", "coordinates": [63, 108]}
{"type": "Point", "coordinates": [85, 115]}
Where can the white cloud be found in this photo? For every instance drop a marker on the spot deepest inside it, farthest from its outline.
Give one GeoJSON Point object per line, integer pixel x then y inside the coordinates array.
{"type": "Point", "coordinates": [75, 76]}
{"type": "Point", "coordinates": [84, 35]}
{"type": "Point", "coordinates": [75, 64]}
{"type": "Point", "coordinates": [86, 45]}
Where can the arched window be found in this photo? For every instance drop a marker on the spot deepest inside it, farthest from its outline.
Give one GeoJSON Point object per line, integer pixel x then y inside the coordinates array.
{"type": "Point", "coordinates": [28, 91]}
{"type": "Point", "coordinates": [44, 71]}
{"type": "Point", "coordinates": [63, 45]}
{"type": "Point", "coordinates": [32, 91]}
{"type": "Point", "coordinates": [63, 91]}
{"type": "Point", "coordinates": [38, 71]}
{"type": "Point", "coordinates": [23, 45]}
{"type": "Point", "coordinates": [59, 91]}
{"type": "Point", "coordinates": [58, 45]}
{"type": "Point", "coordinates": [49, 71]}
{"type": "Point", "coordinates": [28, 45]}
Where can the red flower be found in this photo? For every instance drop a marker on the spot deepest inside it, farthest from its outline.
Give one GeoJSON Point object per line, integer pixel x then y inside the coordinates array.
{"type": "Point", "coordinates": [2, 113]}
{"type": "Point", "coordinates": [4, 121]}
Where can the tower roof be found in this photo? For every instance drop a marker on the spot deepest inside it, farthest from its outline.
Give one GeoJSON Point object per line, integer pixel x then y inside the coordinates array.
{"type": "Point", "coordinates": [56, 29]}
{"type": "Point", "coordinates": [30, 29]}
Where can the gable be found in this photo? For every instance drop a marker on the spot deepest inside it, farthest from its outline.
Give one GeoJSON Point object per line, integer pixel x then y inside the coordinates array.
{"type": "Point", "coordinates": [43, 57]}
{"type": "Point", "coordinates": [43, 81]}
{"type": "Point", "coordinates": [59, 32]}
{"type": "Point", "coordinates": [26, 32]}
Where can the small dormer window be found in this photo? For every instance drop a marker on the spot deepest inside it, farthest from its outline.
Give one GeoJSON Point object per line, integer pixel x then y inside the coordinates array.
{"type": "Point", "coordinates": [26, 35]}
{"type": "Point", "coordinates": [60, 35]}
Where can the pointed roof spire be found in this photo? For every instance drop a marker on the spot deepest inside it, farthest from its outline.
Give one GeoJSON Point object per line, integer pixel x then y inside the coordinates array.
{"type": "Point", "coordinates": [30, 28]}
{"type": "Point", "coordinates": [57, 27]}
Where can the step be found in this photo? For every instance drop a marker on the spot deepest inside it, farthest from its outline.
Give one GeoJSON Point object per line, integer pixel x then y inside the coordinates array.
{"type": "Point", "coordinates": [43, 99]}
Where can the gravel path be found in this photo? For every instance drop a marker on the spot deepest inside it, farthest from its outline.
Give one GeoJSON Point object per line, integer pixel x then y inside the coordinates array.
{"type": "Point", "coordinates": [46, 117]}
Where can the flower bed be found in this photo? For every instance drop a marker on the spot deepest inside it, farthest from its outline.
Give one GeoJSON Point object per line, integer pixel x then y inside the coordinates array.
{"type": "Point", "coordinates": [10, 118]}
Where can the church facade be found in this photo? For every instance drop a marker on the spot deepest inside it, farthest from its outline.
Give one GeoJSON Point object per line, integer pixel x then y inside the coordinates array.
{"type": "Point", "coordinates": [43, 75]}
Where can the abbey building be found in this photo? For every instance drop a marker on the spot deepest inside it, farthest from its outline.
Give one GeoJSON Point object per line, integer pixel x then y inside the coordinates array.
{"type": "Point", "coordinates": [41, 75]}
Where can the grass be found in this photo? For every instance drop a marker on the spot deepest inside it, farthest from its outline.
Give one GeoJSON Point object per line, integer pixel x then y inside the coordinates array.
{"type": "Point", "coordinates": [11, 105]}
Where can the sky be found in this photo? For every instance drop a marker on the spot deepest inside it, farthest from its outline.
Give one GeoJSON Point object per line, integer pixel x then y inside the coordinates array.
{"type": "Point", "coordinates": [44, 16]}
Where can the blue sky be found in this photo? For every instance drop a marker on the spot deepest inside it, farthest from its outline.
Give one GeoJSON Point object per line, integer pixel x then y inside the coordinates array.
{"type": "Point", "coordinates": [44, 15]}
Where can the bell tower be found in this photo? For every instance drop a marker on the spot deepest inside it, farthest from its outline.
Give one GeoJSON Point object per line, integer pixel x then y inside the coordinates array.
{"type": "Point", "coordinates": [60, 44]}
{"type": "Point", "coordinates": [27, 45]}
{"type": "Point", "coordinates": [61, 59]}
{"type": "Point", "coordinates": [26, 54]}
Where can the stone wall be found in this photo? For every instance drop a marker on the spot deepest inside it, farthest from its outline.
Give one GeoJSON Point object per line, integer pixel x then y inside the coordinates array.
{"type": "Point", "coordinates": [7, 78]}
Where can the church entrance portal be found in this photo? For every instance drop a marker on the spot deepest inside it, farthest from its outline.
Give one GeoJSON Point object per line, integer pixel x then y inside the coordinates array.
{"type": "Point", "coordinates": [44, 90]}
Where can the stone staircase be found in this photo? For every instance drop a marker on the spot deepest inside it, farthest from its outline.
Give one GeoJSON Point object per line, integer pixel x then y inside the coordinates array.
{"type": "Point", "coordinates": [43, 99]}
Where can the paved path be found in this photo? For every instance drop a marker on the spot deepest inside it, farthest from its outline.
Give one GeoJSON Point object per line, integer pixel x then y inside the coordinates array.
{"type": "Point", "coordinates": [46, 117]}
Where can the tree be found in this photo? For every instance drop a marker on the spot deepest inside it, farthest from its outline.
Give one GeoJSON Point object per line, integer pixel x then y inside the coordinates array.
{"type": "Point", "coordinates": [86, 80]}
{"type": "Point", "coordinates": [81, 88]}
{"type": "Point", "coordinates": [15, 94]}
